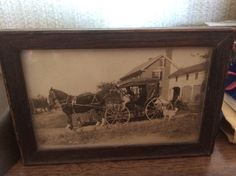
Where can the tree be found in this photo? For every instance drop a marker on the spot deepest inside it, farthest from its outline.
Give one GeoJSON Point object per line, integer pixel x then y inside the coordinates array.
{"type": "Point", "coordinates": [104, 88]}
{"type": "Point", "coordinates": [109, 92]}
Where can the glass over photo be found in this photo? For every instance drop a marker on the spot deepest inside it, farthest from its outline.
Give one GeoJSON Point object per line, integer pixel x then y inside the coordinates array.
{"type": "Point", "coordinates": [115, 97]}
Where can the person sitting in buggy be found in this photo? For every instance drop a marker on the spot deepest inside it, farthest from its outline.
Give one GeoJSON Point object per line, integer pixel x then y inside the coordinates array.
{"type": "Point", "coordinates": [137, 100]}
{"type": "Point", "coordinates": [130, 93]}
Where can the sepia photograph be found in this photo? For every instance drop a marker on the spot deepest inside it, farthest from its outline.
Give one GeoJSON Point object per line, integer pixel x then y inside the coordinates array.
{"type": "Point", "coordinates": [116, 97]}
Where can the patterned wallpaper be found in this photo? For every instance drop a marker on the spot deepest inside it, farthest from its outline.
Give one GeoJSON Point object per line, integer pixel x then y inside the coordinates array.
{"type": "Point", "coordinates": [35, 14]}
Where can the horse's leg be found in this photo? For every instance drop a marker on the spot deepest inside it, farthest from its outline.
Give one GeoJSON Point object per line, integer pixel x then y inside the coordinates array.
{"type": "Point", "coordinates": [79, 121]}
{"type": "Point", "coordinates": [69, 121]}
{"type": "Point", "coordinates": [100, 119]}
{"type": "Point", "coordinates": [103, 120]}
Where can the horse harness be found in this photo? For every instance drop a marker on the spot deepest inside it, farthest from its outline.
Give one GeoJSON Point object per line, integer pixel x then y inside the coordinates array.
{"type": "Point", "coordinates": [72, 100]}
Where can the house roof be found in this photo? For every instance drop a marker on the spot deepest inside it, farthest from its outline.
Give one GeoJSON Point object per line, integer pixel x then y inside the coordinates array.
{"type": "Point", "coordinates": [137, 82]}
{"type": "Point", "coordinates": [142, 67]}
{"type": "Point", "coordinates": [190, 69]}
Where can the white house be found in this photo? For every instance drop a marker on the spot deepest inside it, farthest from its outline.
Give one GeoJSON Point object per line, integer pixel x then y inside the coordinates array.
{"type": "Point", "coordinates": [158, 67]}
{"type": "Point", "coordinates": [188, 82]}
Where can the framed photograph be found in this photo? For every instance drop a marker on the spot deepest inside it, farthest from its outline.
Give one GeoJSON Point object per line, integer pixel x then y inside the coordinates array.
{"type": "Point", "coordinates": [100, 95]}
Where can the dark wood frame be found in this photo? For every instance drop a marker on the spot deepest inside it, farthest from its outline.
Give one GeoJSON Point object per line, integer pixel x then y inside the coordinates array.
{"type": "Point", "coordinates": [13, 42]}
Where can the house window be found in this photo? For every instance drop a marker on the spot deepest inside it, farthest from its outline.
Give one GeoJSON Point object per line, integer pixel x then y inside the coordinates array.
{"type": "Point", "coordinates": [187, 76]}
{"type": "Point", "coordinates": [157, 74]}
{"type": "Point", "coordinates": [196, 75]}
{"type": "Point", "coordinates": [176, 78]}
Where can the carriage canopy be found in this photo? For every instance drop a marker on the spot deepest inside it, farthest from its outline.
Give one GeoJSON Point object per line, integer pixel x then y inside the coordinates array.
{"type": "Point", "coordinates": [149, 87]}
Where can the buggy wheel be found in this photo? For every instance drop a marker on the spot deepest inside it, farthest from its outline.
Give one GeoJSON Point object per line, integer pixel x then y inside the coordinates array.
{"type": "Point", "coordinates": [117, 114]}
{"type": "Point", "coordinates": [153, 109]}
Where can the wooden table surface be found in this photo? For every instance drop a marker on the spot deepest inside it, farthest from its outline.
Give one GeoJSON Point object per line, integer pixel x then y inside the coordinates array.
{"type": "Point", "coordinates": [221, 163]}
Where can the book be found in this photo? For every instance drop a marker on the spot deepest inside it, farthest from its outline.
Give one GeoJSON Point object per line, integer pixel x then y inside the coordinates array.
{"type": "Point", "coordinates": [230, 101]}
{"type": "Point", "coordinates": [228, 125]}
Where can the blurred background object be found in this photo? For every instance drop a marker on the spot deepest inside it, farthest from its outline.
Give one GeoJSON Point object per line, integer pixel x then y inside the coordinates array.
{"type": "Point", "coordinates": [3, 97]}
{"type": "Point", "coordinates": [77, 14]}
{"type": "Point", "coordinates": [228, 125]}
{"type": "Point", "coordinates": [9, 153]}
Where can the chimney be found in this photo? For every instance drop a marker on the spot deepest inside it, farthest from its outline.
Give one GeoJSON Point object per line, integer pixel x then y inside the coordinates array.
{"type": "Point", "coordinates": [169, 53]}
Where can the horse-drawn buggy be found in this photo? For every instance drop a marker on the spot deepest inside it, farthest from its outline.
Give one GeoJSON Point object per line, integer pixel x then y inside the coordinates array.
{"type": "Point", "coordinates": [118, 103]}
{"type": "Point", "coordinates": [144, 97]}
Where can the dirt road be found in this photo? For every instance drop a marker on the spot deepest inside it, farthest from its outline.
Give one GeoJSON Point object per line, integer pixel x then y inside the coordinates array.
{"type": "Point", "coordinates": [51, 132]}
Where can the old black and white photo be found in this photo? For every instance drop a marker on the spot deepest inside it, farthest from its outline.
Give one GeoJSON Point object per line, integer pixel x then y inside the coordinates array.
{"type": "Point", "coordinates": [108, 97]}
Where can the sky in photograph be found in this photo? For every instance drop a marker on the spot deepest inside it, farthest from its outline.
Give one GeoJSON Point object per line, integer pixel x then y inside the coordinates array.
{"type": "Point", "coordinates": [81, 70]}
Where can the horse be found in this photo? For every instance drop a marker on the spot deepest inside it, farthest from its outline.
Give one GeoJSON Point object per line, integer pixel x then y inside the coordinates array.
{"type": "Point", "coordinates": [76, 104]}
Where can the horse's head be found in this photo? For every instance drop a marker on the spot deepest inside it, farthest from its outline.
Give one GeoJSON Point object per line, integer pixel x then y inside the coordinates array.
{"type": "Point", "coordinates": [56, 95]}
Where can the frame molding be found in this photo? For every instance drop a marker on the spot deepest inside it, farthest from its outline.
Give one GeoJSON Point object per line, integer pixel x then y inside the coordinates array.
{"type": "Point", "coordinates": [13, 42]}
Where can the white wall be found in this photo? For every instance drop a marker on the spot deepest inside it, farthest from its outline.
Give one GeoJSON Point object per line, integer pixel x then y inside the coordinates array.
{"type": "Point", "coordinates": [54, 14]}
{"type": "Point", "coordinates": [182, 82]}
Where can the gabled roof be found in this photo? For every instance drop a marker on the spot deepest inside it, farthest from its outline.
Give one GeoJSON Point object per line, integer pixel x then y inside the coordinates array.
{"type": "Point", "coordinates": [137, 82]}
{"type": "Point", "coordinates": [190, 69]}
{"type": "Point", "coordinates": [142, 67]}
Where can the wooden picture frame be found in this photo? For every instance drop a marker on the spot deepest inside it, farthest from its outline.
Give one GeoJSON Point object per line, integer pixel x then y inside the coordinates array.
{"type": "Point", "coordinates": [14, 42]}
